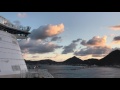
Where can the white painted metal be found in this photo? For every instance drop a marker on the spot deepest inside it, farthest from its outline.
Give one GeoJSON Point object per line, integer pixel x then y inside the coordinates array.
{"type": "Point", "coordinates": [11, 60]}
{"type": "Point", "coordinates": [7, 23]}
{"type": "Point", "coordinates": [20, 37]}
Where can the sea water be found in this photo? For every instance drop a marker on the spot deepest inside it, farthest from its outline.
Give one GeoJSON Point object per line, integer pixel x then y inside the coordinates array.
{"type": "Point", "coordinates": [68, 71]}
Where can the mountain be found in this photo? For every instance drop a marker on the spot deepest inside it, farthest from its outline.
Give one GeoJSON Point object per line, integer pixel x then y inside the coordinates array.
{"type": "Point", "coordinates": [112, 58]}
{"type": "Point", "coordinates": [31, 62]}
{"type": "Point", "coordinates": [73, 60]}
{"type": "Point", "coordinates": [91, 61]}
{"type": "Point", "coordinates": [47, 61]}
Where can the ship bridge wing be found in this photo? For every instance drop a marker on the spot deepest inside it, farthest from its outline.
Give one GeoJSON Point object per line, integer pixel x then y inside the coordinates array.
{"type": "Point", "coordinates": [6, 25]}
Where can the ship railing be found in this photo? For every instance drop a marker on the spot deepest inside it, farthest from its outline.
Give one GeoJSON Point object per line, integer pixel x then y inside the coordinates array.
{"type": "Point", "coordinates": [27, 28]}
{"type": "Point", "coordinates": [38, 73]}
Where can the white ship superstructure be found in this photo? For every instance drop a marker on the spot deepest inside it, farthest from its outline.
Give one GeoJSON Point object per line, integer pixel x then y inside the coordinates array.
{"type": "Point", "coordinates": [11, 60]}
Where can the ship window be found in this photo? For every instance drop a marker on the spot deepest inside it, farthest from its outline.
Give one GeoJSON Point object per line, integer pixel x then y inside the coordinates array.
{"type": "Point", "coordinates": [16, 68]}
{"type": "Point", "coordinates": [14, 42]}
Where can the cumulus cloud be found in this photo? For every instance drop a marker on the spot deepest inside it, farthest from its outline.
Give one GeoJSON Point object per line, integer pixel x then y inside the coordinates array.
{"type": "Point", "coordinates": [37, 44]}
{"type": "Point", "coordinates": [27, 44]}
{"type": "Point", "coordinates": [43, 48]}
{"type": "Point", "coordinates": [71, 47]}
{"type": "Point", "coordinates": [22, 15]}
{"type": "Point", "coordinates": [34, 46]}
{"type": "Point", "coordinates": [77, 40]}
{"type": "Point", "coordinates": [116, 27]}
{"type": "Point", "coordinates": [56, 38]}
{"type": "Point", "coordinates": [95, 41]}
{"type": "Point", "coordinates": [95, 51]}
{"type": "Point", "coordinates": [84, 42]}
{"type": "Point", "coordinates": [46, 31]}
{"type": "Point", "coordinates": [117, 38]}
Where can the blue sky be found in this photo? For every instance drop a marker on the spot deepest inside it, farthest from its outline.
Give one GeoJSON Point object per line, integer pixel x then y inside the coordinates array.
{"type": "Point", "coordinates": [83, 25]}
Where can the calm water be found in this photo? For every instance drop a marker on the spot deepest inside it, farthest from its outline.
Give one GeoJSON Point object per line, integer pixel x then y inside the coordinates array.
{"type": "Point", "coordinates": [66, 71]}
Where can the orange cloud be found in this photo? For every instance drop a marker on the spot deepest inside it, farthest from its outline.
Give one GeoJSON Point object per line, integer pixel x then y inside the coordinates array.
{"type": "Point", "coordinates": [116, 42]}
{"type": "Point", "coordinates": [46, 31]}
{"type": "Point", "coordinates": [117, 27]}
{"type": "Point", "coordinates": [95, 41]}
{"type": "Point", "coordinates": [54, 29]}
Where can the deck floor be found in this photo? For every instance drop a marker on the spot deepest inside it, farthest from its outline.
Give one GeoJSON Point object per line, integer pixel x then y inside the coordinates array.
{"type": "Point", "coordinates": [40, 73]}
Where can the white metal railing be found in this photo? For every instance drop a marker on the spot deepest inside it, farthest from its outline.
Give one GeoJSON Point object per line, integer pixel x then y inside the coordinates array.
{"type": "Point", "coordinates": [36, 73]}
{"type": "Point", "coordinates": [9, 24]}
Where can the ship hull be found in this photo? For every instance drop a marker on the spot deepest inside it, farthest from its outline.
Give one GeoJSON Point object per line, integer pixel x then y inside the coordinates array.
{"type": "Point", "coordinates": [11, 60]}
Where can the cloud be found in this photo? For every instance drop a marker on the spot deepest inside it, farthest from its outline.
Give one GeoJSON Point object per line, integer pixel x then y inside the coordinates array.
{"type": "Point", "coordinates": [46, 31]}
{"type": "Point", "coordinates": [43, 48]}
{"type": "Point", "coordinates": [77, 40]}
{"type": "Point", "coordinates": [35, 57]}
{"type": "Point", "coordinates": [56, 38]}
{"type": "Point", "coordinates": [96, 51]}
{"type": "Point", "coordinates": [22, 15]}
{"type": "Point", "coordinates": [37, 44]}
{"type": "Point", "coordinates": [117, 38]}
{"type": "Point", "coordinates": [95, 41]}
{"type": "Point", "coordinates": [116, 27]}
{"type": "Point", "coordinates": [84, 42]}
{"type": "Point", "coordinates": [24, 45]}
{"type": "Point", "coordinates": [36, 47]}
{"type": "Point", "coordinates": [69, 49]}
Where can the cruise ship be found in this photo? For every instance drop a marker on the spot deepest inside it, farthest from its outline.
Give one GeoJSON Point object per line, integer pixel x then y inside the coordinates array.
{"type": "Point", "coordinates": [12, 64]}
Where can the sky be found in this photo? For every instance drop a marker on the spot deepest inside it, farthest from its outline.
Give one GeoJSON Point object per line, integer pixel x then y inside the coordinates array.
{"type": "Point", "coordinates": [62, 35]}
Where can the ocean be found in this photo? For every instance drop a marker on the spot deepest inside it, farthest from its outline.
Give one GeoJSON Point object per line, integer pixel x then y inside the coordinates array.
{"type": "Point", "coordinates": [68, 71]}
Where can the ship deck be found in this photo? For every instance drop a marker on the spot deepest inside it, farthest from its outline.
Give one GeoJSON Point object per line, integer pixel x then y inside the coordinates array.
{"type": "Point", "coordinates": [32, 73]}
{"type": "Point", "coordinates": [12, 30]}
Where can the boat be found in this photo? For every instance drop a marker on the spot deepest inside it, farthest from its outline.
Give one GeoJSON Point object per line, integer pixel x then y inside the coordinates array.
{"type": "Point", "coordinates": [12, 64]}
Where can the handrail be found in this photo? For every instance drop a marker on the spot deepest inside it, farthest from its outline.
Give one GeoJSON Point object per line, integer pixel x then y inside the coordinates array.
{"type": "Point", "coordinates": [7, 23]}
